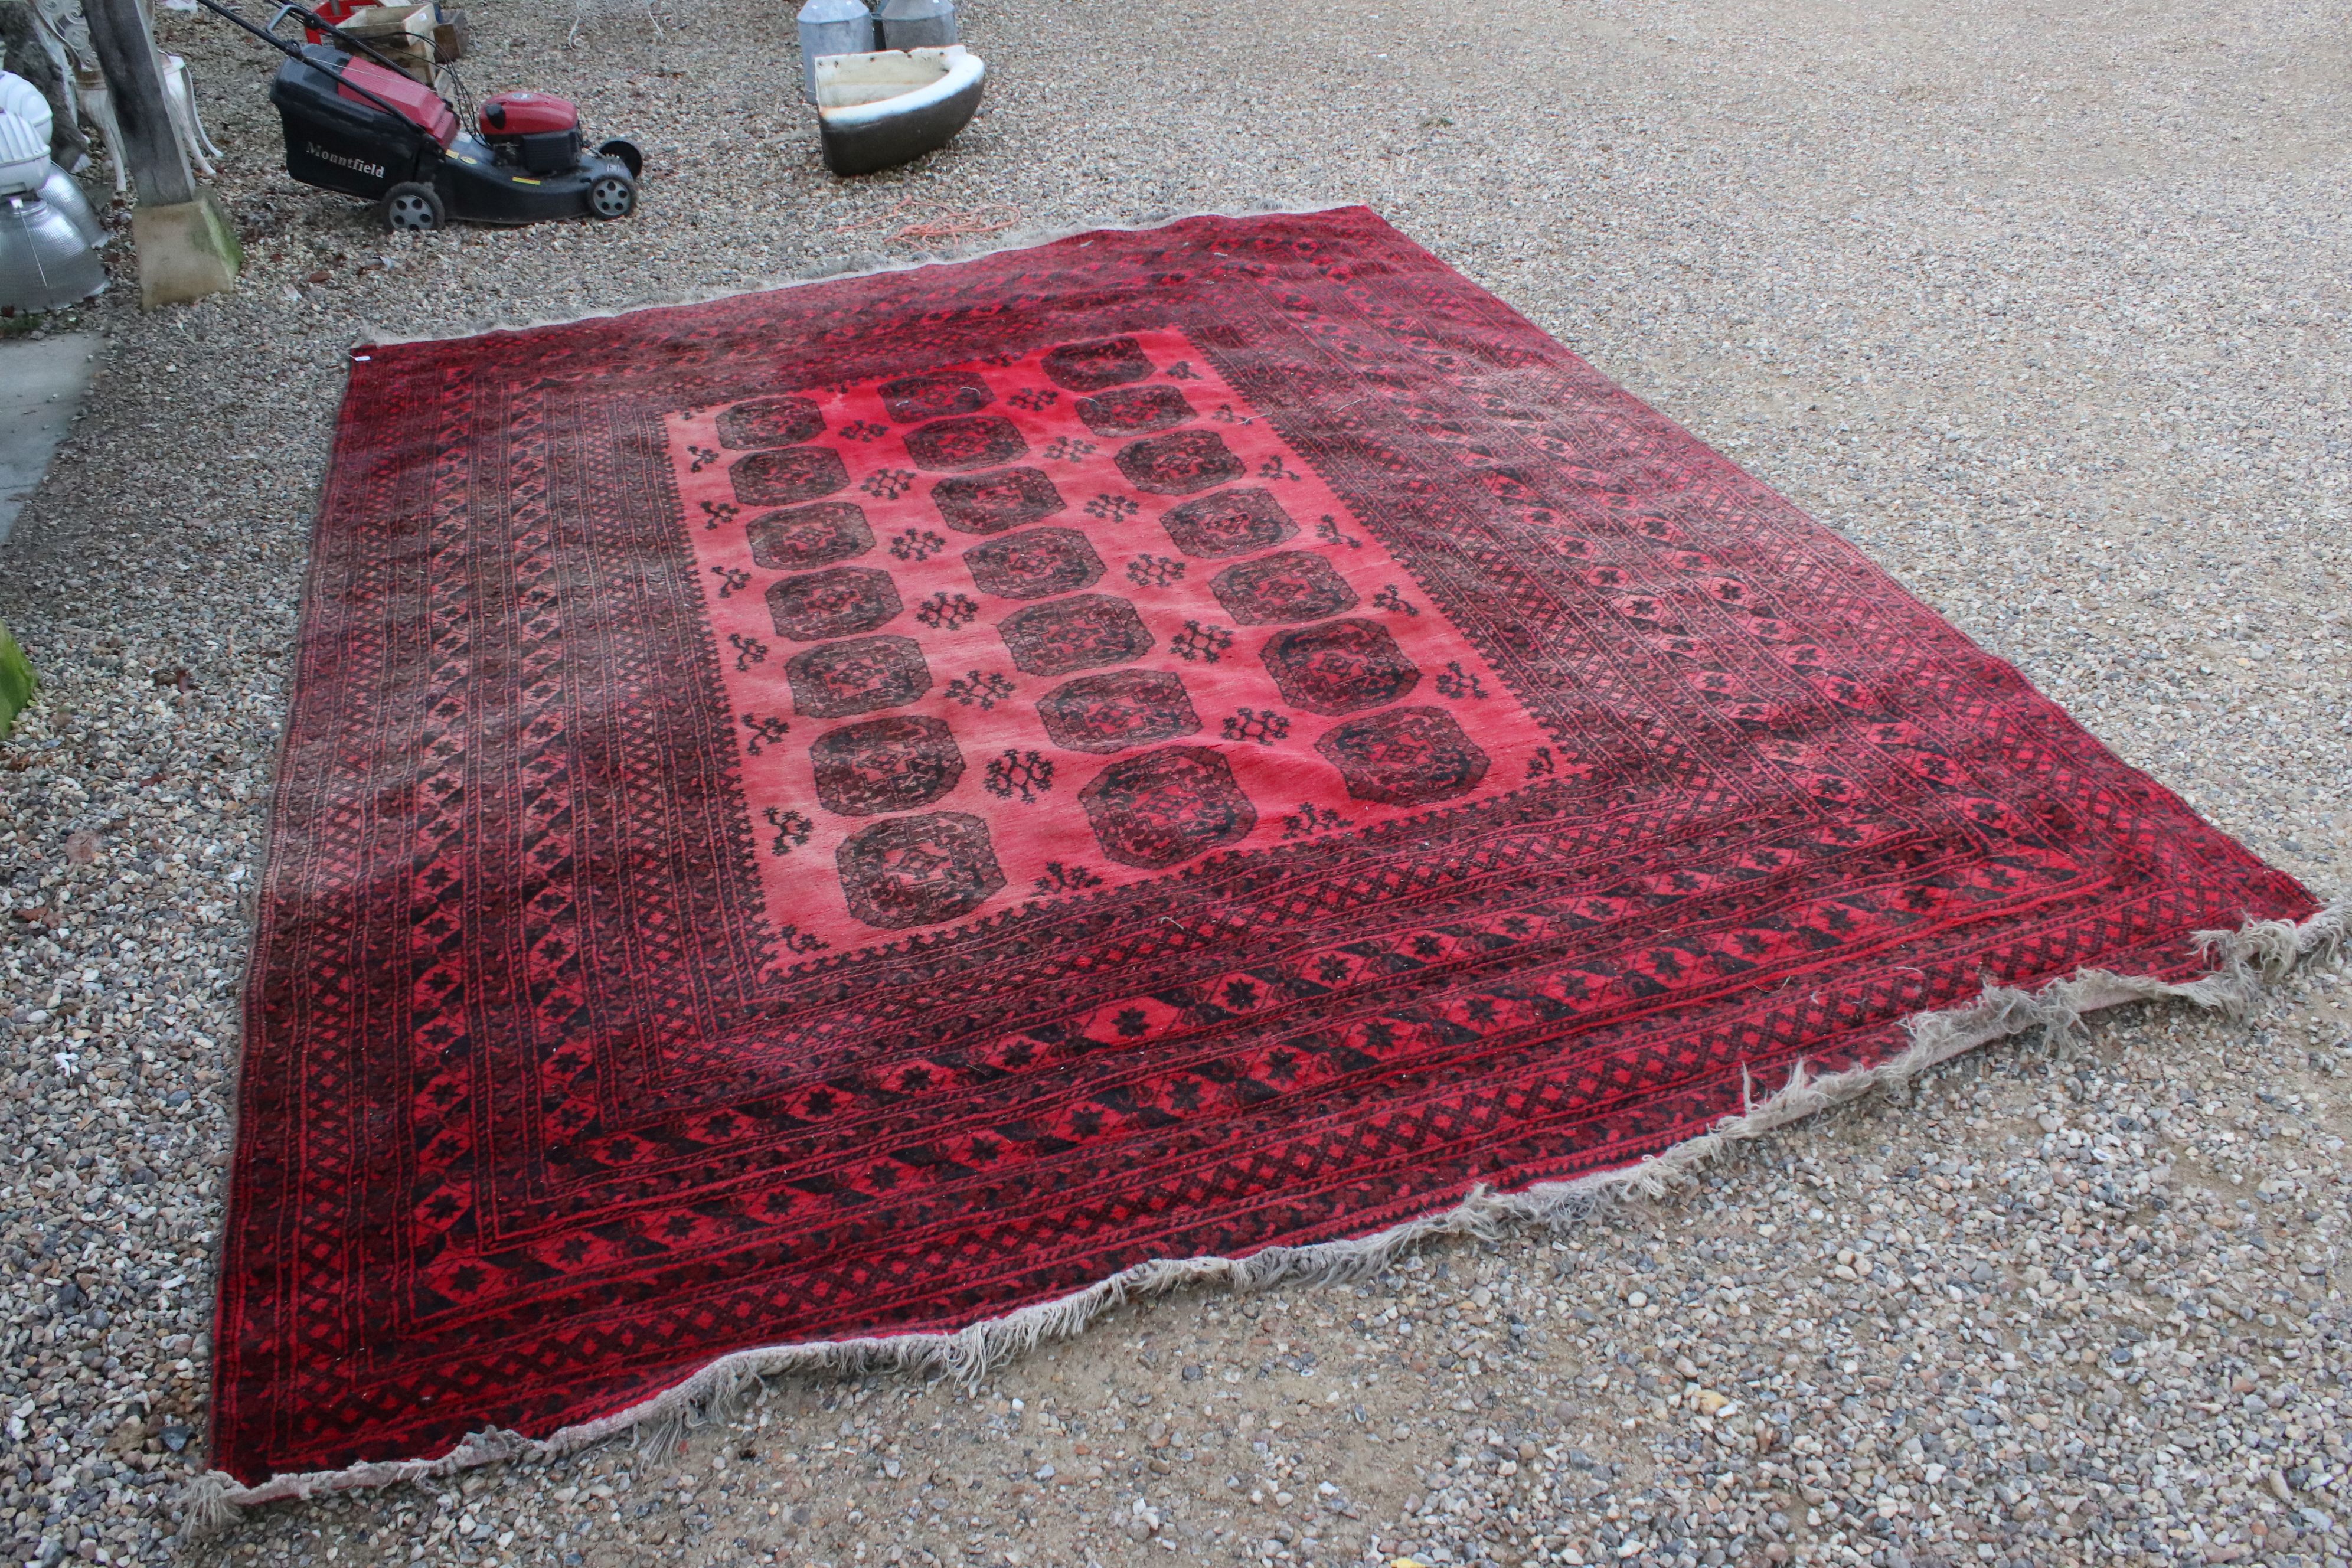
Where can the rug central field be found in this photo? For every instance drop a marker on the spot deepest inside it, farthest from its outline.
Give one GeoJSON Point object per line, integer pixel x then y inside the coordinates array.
{"type": "Point", "coordinates": [858, 809]}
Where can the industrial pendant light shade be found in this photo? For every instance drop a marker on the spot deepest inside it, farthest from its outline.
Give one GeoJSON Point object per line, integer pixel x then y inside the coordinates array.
{"type": "Point", "coordinates": [48, 236]}
{"type": "Point", "coordinates": [46, 262]}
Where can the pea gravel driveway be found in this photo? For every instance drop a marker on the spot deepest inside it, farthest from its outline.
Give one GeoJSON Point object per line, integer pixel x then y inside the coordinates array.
{"type": "Point", "coordinates": [2044, 305]}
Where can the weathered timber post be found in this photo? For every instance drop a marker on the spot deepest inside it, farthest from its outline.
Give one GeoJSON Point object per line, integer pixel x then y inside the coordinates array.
{"type": "Point", "coordinates": [187, 246]}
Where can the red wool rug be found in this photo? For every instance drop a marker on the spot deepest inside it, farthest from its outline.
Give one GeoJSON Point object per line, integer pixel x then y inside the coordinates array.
{"type": "Point", "coordinates": [852, 811]}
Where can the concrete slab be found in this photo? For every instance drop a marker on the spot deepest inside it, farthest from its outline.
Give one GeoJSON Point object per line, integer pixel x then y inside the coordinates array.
{"type": "Point", "coordinates": [41, 384]}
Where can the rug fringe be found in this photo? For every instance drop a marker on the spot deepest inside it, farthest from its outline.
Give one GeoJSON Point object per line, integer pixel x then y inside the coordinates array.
{"type": "Point", "coordinates": [2247, 963]}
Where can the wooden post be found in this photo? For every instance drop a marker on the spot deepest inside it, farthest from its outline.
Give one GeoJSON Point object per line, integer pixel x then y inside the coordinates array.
{"type": "Point", "coordinates": [187, 248]}
{"type": "Point", "coordinates": [157, 163]}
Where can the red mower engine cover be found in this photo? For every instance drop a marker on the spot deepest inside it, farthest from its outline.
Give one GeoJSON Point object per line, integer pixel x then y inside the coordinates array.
{"type": "Point", "coordinates": [536, 130]}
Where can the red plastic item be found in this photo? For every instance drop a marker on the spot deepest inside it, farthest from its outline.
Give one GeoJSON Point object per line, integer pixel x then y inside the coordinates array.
{"type": "Point", "coordinates": [527, 114]}
{"type": "Point", "coordinates": [424, 106]}
{"type": "Point", "coordinates": [337, 12]}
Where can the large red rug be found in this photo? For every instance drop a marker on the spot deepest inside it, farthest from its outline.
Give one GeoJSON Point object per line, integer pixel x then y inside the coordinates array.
{"type": "Point", "coordinates": [859, 808]}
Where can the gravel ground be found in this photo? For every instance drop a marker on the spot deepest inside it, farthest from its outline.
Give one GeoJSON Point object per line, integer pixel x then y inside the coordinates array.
{"type": "Point", "coordinates": [2043, 306]}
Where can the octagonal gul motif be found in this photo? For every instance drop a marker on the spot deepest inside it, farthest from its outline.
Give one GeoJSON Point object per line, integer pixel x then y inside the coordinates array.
{"type": "Point", "coordinates": [1134, 410]}
{"type": "Point", "coordinates": [841, 680]}
{"type": "Point", "coordinates": [1070, 621]}
{"type": "Point", "coordinates": [885, 764]}
{"type": "Point", "coordinates": [1407, 756]}
{"type": "Point", "coordinates": [1231, 522]}
{"type": "Point", "coordinates": [1033, 564]}
{"type": "Point", "coordinates": [837, 603]}
{"type": "Point", "coordinates": [1338, 667]}
{"type": "Point", "coordinates": [975, 441]}
{"type": "Point", "coordinates": [1166, 807]}
{"type": "Point", "coordinates": [1112, 713]}
{"type": "Point", "coordinates": [1079, 633]}
{"type": "Point", "coordinates": [990, 503]}
{"type": "Point", "coordinates": [912, 399]}
{"type": "Point", "coordinates": [786, 474]}
{"type": "Point", "coordinates": [1097, 365]}
{"type": "Point", "coordinates": [806, 536]}
{"type": "Point", "coordinates": [918, 870]}
{"type": "Point", "coordinates": [770, 422]}
{"type": "Point", "coordinates": [1276, 590]}
{"type": "Point", "coordinates": [1181, 463]}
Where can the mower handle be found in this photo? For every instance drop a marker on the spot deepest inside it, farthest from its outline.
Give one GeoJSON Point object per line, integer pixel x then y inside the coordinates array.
{"type": "Point", "coordinates": [318, 24]}
{"type": "Point", "coordinates": [267, 36]}
{"type": "Point", "coordinates": [293, 51]}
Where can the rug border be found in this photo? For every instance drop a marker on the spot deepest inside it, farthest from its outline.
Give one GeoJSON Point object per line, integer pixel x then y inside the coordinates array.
{"type": "Point", "coordinates": [2248, 965]}
{"type": "Point", "coordinates": [1029, 236]}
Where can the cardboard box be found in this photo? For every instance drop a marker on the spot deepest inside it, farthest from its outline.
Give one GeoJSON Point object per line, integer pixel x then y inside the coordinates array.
{"type": "Point", "coordinates": [403, 33]}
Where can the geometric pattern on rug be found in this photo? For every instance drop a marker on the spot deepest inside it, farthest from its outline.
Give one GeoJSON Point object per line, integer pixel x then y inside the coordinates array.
{"type": "Point", "coordinates": [855, 809]}
{"type": "Point", "coordinates": [1115, 564]}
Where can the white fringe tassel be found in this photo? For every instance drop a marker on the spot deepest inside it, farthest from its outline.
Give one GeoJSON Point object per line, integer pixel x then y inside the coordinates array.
{"type": "Point", "coordinates": [2246, 963]}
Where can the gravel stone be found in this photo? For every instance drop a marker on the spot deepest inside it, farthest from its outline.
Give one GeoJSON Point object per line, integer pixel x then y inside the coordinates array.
{"type": "Point", "coordinates": [2043, 310]}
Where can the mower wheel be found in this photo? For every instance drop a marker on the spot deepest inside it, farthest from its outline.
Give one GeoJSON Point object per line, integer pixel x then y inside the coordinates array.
{"type": "Point", "coordinates": [612, 197]}
{"type": "Point", "coordinates": [412, 209]}
{"type": "Point", "coordinates": [626, 152]}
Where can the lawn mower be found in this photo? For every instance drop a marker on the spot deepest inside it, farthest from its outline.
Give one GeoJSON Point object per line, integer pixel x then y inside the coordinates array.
{"type": "Point", "coordinates": [355, 122]}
